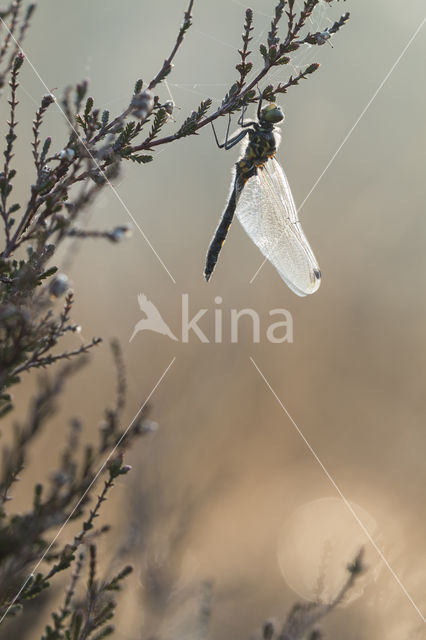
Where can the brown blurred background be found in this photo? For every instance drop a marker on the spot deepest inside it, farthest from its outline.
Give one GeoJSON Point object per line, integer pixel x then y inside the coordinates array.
{"type": "Point", "coordinates": [227, 469]}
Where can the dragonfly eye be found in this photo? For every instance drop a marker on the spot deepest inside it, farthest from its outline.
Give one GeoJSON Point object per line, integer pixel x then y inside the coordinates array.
{"type": "Point", "coordinates": [272, 113]}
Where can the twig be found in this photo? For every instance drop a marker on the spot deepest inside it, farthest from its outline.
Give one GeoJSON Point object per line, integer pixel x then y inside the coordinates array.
{"type": "Point", "coordinates": [167, 65]}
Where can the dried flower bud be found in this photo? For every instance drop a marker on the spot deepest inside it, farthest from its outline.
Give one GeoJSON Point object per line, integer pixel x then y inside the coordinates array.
{"type": "Point", "coordinates": [98, 176]}
{"type": "Point", "coordinates": [45, 171]}
{"type": "Point", "coordinates": [114, 465]}
{"type": "Point", "coordinates": [119, 233]}
{"type": "Point", "coordinates": [81, 89]}
{"type": "Point", "coordinates": [59, 285]}
{"type": "Point", "coordinates": [67, 154]}
{"type": "Point", "coordinates": [44, 175]}
{"type": "Point", "coordinates": [47, 100]}
{"type": "Point", "coordinates": [17, 63]}
{"type": "Point", "coordinates": [169, 107]}
{"type": "Point", "coordinates": [48, 251]}
{"type": "Point", "coordinates": [268, 630]}
{"type": "Point", "coordinates": [147, 426]}
{"type": "Point", "coordinates": [142, 104]}
{"type": "Point", "coordinates": [68, 552]}
{"type": "Point", "coordinates": [312, 67]}
{"type": "Point", "coordinates": [60, 478]}
{"type": "Point", "coordinates": [321, 38]}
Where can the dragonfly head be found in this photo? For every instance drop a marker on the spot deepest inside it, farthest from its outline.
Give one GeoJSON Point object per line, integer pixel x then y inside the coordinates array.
{"type": "Point", "coordinates": [272, 114]}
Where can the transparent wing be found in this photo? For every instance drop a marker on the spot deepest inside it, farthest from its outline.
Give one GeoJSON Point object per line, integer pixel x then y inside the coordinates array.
{"type": "Point", "coordinates": [267, 212]}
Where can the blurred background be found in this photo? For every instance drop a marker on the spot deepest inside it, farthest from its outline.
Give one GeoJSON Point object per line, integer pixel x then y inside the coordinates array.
{"type": "Point", "coordinates": [226, 491]}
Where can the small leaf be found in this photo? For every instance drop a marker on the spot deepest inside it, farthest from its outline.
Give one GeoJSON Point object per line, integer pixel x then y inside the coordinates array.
{"type": "Point", "coordinates": [45, 150]}
{"type": "Point", "coordinates": [283, 60]}
{"type": "Point", "coordinates": [140, 159]}
{"type": "Point", "coordinates": [313, 67]}
{"type": "Point", "coordinates": [88, 107]}
{"type": "Point", "coordinates": [48, 273]}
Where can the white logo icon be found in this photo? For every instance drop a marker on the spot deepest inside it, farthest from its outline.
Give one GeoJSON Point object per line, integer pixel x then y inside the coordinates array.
{"type": "Point", "coordinates": [153, 320]}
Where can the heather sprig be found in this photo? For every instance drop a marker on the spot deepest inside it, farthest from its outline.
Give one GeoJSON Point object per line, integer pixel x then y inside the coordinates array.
{"type": "Point", "coordinates": [38, 332]}
{"type": "Point", "coordinates": [67, 495]}
{"type": "Point", "coordinates": [14, 32]}
{"type": "Point", "coordinates": [303, 617]}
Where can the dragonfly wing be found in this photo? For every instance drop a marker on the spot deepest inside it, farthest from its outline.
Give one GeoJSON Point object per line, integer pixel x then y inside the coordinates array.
{"type": "Point", "coordinates": [267, 212]}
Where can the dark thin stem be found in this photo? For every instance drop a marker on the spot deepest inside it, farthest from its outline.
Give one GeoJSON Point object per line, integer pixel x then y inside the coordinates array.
{"type": "Point", "coordinates": [75, 576]}
{"type": "Point", "coordinates": [22, 31]}
{"type": "Point", "coordinates": [282, 88]}
{"type": "Point", "coordinates": [223, 110]}
{"type": "Point", "coordinates": [38, 362]}
{"type": "Point", "coordinates": [34, 204]}
{"type": "Point", "coordinates": [237, 98]}
{"type": "Point", "coordinates": [37, 122]}
{"type": "Point", "coordinates": [8, 153]}
{"type": "Point", "coordinates": [88, 524]}
{"type": "Point", "coordinates": [11, 29]}
{"type": "Point", "coordinates": [5, 486]}
{"type": "Point", "coordinates": [66, 609]}
{"type": "Point", "coordinates": [112, 125]}
{"type": "Point", "coordinates": [167, 65]}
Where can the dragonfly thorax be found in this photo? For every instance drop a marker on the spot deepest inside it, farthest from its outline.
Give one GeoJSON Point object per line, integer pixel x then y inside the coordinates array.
{"type": "Point", "coordinates": [261, 146]}
{"type": "Point", "coordinates": [263, 140]}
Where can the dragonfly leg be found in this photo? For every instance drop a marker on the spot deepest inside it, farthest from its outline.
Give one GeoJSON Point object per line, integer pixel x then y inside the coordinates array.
{"type": "Point", "coordinates": [216, 138]}
{"type": "Point", "coordinates": [229, 142]}
{"type": "Point", "coordinates": [241, 118]}
{"type": "Point", "coordinates": [241, 122]}
{"type": "Point", "coordinates": [235, 140]}
{"type": "Point", "coordinates": [227, 129]}
{"type": "Point", "coordinates": [259, 106]}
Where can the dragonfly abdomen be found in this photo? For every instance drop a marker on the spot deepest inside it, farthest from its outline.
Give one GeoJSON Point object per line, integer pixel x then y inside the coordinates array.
{"type": "Point", "coordinates": [222, 229]}
{"type": "Point", "coordinates": [244, 169]}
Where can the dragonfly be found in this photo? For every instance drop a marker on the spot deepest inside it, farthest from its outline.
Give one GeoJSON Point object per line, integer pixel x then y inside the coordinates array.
{"type": "Point", "coordinates": [261, 198]}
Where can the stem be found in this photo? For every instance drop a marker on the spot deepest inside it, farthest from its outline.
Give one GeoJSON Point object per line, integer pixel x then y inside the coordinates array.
{"type": "Point", "coordinates": [223, 110]}
{"type": "Point", "coordinates": [165, 69]}
{"type": "Point", "coordinates": [11, 29]}
{"type": "Point", "coordinates": [8, 153]}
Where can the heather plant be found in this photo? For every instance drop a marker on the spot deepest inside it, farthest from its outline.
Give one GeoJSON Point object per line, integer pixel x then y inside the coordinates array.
{"type": "Point", "coordinates": [37, 329]}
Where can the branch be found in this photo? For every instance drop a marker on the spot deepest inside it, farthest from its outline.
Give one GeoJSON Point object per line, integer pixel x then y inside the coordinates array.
{"type": "Point", "coordinates": [37, 362]}
{"type": "Point", "coordinates": [167, 65]}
